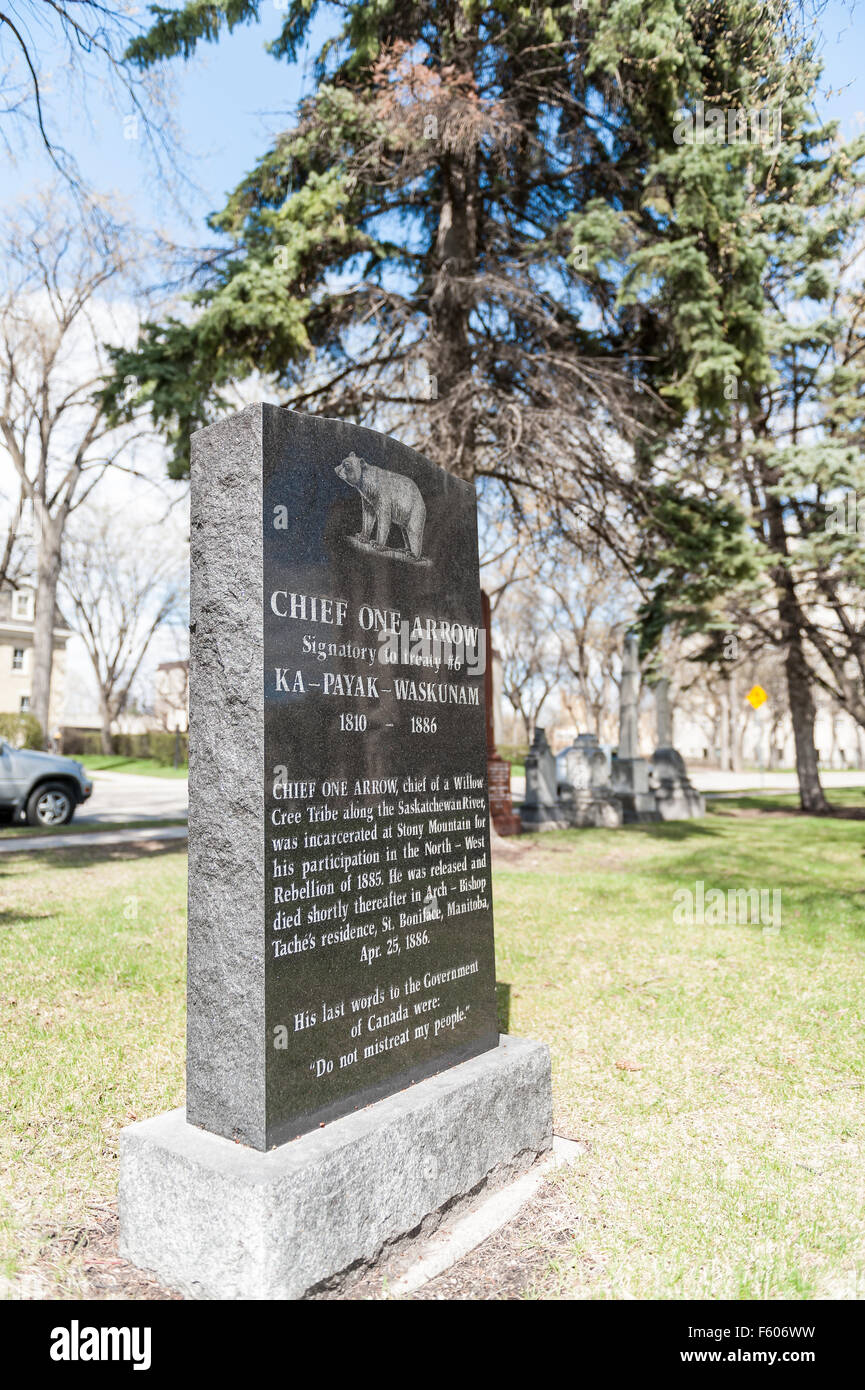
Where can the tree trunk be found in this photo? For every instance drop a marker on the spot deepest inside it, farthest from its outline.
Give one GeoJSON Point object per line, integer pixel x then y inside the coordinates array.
{"type": "Point", "coordinates": [47, 576]}
{"type": "Point", "coordinates": [734, 714]}
{"type": "Point", "coordinates": [799, 694]}
{"type": "Point", "coordinates": [803, 715]}
{"type": "Point", "coordinates": [724, 730]}
{"type": "Point", "coordinates": [105, 740]}
{"type": "Point", "coordinates": [448, 349]}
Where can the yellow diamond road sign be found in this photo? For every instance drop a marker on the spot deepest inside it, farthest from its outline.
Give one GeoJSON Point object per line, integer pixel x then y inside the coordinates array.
{"type": "Point", "coordinates": [756, 696]}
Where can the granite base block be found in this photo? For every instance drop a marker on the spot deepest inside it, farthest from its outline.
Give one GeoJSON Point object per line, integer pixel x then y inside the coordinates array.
{"type": "Point", "coordinates": [638, 807]}
{"type": "Point", "coordinates": [593, 809]}
{"type": "Point", "coordinates": [679, 801]}
{"type": "Point", "coordinates": [543, 818]}
{"type": "Point", "coordinates": [215, 1219]}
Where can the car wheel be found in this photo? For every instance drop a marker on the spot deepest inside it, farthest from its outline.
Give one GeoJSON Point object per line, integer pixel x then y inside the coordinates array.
{"type": "Point", "coordinates": [50, 805]}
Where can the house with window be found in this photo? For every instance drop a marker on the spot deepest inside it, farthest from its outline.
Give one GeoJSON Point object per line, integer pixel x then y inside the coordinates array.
{"type": "Point", "coordinates": [17, 617]}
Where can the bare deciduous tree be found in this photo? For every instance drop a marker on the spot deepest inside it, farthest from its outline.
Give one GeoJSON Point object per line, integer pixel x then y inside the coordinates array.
{"type": "Point", "coordinates": [86, 40]}
{"type": "Point", "coordinates": [54, 317]}
{"type": "Point", "coordinates": [122, 589]}
{"type": "Point", "coordinates": [530, 654]}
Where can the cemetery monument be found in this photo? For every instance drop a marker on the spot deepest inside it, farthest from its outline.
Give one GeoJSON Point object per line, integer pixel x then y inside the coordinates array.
{"type": "Point", "coordinates": [541, 808]}
{"type": "Point", "coordinates": [675, 795]}
{"type": "Point", "coordinates": [630, 773]}
{"type": "Point", "coordinates": [345, 1076]}
{"type": "Point", "coordinates": [585, 793]}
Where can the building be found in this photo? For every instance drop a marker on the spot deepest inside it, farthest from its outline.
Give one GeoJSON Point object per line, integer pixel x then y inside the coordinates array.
{"type": "Point", "coordinates": [171, 696]}
{"type": "Point", "coordinates": [17, 615]}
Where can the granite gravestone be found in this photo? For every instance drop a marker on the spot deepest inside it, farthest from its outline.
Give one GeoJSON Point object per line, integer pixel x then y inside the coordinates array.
{"type": "Point", "coordinates": [340, 908]}
{"type": "Point", "coordinates": [541, 809]}
{"type": "Point", "coordinates": [631, 774]}
{"type": "Point", "coordinates": [584, 789]}
{"type": "Point", "coordinates": [676, 797]}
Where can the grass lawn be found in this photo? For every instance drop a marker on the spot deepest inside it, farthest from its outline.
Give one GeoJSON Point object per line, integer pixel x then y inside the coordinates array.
{"type": "Point", "coordinates": [713, 1074]}
{"type": "Point", "coordinates": [92, 978]}
{"type": "Point", "coordinates": [145, 767]}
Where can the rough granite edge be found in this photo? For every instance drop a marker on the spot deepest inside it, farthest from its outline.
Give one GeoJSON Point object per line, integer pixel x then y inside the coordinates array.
{"type": "Point", "coordinates": [226, 1021]}
{"type": "Point", "coordinates": [212, 1219]}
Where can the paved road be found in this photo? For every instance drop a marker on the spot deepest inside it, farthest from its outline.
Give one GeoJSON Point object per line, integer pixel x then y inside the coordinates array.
{"type": "Point", "coordinates": [121, 796]}
{"type": "Point", "coordinates": [714, 781]}
{"type": "Point", "coordinates": [732, 783]}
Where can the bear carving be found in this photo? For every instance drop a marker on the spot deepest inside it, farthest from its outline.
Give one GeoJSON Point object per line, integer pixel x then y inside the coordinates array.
{"type": "Point", "coordinates": [389, 499]}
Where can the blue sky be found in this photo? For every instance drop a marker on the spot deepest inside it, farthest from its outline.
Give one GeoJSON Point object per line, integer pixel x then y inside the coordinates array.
{"type": "Point", "coordinates": [232, 95]}
{"type": "Point", "coordinates": [227, 100]}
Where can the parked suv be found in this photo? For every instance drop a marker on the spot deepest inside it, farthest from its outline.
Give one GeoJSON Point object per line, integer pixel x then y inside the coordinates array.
{"type": "Point", "coordinates": [40, 787]}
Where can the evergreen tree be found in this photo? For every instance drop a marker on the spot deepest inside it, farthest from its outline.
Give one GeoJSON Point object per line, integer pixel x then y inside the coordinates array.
{"type": "Point", "coordinates": [541, 244]}
{"type": "Point", "coordinates": [739, 246]}
{"type": "Point", "coordinates": [404, 256]}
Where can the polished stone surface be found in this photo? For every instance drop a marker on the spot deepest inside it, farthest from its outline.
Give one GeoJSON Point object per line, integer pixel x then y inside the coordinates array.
{"type": "Point", "coordinates": [340, 938]}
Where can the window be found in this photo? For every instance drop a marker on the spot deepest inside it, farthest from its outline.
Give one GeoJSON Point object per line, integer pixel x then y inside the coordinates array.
{"type": "Point", "coordinates": [24, 704]}
{"type": "Point", "coordinates": [22, 604]}
{"type": "Point", "coordinates": [18, 659]}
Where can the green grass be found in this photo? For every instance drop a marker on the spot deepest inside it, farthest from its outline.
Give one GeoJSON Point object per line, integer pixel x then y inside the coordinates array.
{"type": "Point", "coordinates": [713, 1074]}
{"type": "Point", "coordinates": [144, 767]}
{"type": "Point", "coordinates": [92, 990]}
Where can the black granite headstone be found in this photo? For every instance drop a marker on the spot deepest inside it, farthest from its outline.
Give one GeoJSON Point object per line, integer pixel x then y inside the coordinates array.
{"type": "Point", "coordinates": [377, 931]}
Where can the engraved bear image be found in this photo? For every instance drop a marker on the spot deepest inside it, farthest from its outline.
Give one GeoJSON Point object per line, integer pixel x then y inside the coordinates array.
{"type": "Point", "coordinates": [389, 499]}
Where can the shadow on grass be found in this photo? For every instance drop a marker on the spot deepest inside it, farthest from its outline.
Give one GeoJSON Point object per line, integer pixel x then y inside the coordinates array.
{"type": "Point", "coordinates": [503, 1006]}
{"type": "Point", "coordinates": [10, 833]}
{"type": "Point", "coordinates": [735, 808]}
{"type": "Point", "coordinates": [672, 829]}
{"type": "Point", "coordinates": [814, 908]}
{"type": "Point", "coordinates": [10, 917]}
{"type": "Point", "coordinates": [50, 860]}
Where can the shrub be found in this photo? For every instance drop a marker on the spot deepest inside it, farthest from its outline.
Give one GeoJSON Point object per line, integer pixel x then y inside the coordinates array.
{"type": "Point", "coordinates": [132, 745]}
{"type": "Point", "coordinates": [513, 752]}
{"type": "Point", "coordinates": [162, 746]}
{"type": "Point", "coordinates": [157, 744]}
{"type": "Point", "coordinates": [22, 730]}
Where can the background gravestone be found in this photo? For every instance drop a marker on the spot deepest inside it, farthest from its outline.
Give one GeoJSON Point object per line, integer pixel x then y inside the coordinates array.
{"type": "Point", "coordinates": [584, 790]}
{"type": "Point", "coordinates": [630, 775]}
{"type": "Point", "coordinates": [541, 809]}
{"type": "Point", "coordinates": [340, 905]}
{"type": "Point", "coordinates": [676, 797]}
